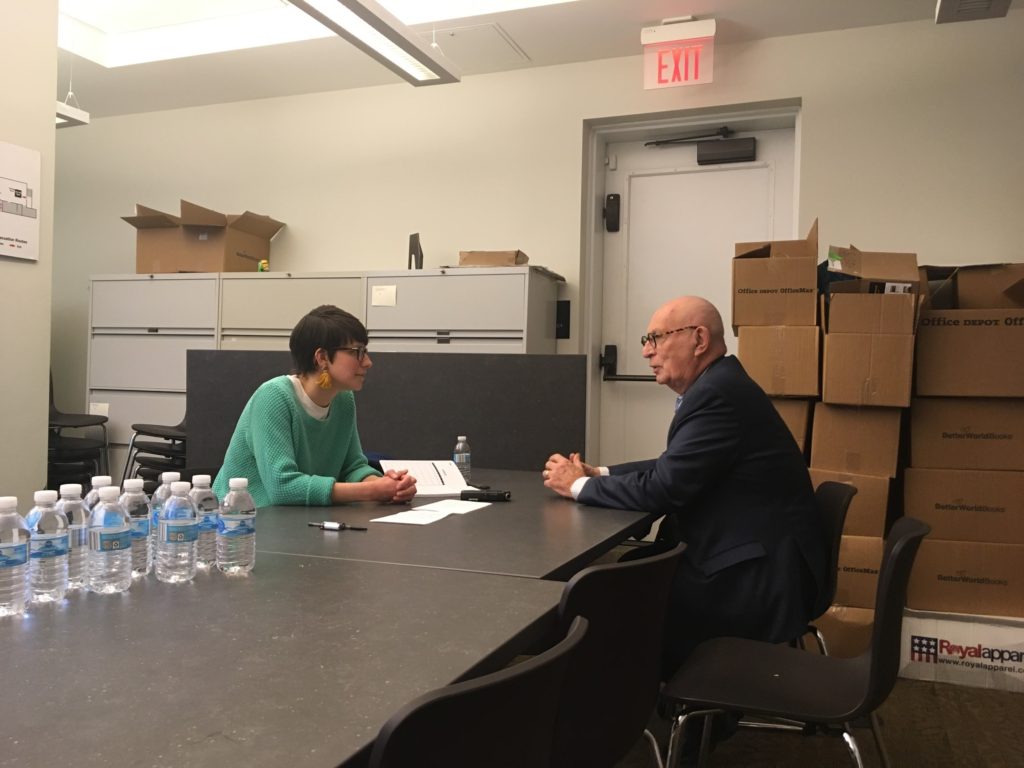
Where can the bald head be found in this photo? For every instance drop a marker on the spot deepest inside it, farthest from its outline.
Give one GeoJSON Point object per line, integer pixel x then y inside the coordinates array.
{"type": "Point", "coordinates": [691, 337]}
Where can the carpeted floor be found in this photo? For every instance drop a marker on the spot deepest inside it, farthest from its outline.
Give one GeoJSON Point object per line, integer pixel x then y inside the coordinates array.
{"type": "Point", "coordinates": [923, 724]}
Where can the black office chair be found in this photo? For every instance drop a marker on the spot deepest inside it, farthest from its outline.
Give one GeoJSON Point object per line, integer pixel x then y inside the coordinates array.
{"type": "Point", "coordinates": [59, 420]}
{"type": "Point", "coordinates": [612, 684]}
{"type": "Point", "coordinates": [832, 501]}
{"type": "Point", "coordinates": [165, 454]}
{"type": "Point", "coordinates": [502, 720]}
{"type": "Point", "coordinates": [813, 692]}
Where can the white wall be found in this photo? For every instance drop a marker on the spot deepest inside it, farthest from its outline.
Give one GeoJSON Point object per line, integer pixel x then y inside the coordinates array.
{"type": "Point", "coordinates": [27, 119]}
{"type": "Point", "coordinates": [908, 142]}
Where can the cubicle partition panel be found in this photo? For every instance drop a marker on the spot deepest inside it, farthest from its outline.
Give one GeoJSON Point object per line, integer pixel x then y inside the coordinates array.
{"type": "Point", "coordinates": [516, 409]}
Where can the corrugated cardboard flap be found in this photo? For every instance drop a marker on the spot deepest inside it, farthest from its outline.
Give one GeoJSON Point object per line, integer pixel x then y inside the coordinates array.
{"type": "Point", "coordinates": [193, 215]}
{"type": "Point", "coordinates": [150, 218]}
{"type": "Point", "coordinates": [871, 313]}
{"type": "Point", "coordinates": [875, 266]}
{"type": "Point", "coordinates": [255, 224]}
{"type": "Point", "coordinates": [990, 285]}
{"type": "Point", "coordinates": [804, 249]}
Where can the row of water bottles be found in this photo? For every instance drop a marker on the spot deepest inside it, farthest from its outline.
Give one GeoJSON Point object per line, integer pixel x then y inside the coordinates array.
{"type": "Point", "coordinates": [101, 541]}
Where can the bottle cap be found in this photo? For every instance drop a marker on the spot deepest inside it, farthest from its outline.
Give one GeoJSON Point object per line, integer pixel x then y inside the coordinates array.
{"type": "Point", "coordinates": [170, 477]}
{"type": "Point", "coordinates": [238, 483]}
{"type": "Point", "coordinates": [109, 493]}
{"type": "Point", "coordinates": [7, 503]}
{"type": "Point", "coordinates": [200, 480]}
{"type": "Point", "coordinates": [100, 480]}
{"type": "Point", "coordinates": [45, 497]}
{"type": "Point", "coordinates": [134, 484]}
{"type": "Point", "coordinates": [181, 487]}
{"type": "Point", "coordinates": [71, 490]}
{"type": "Point", "coordinates": [461, 438]}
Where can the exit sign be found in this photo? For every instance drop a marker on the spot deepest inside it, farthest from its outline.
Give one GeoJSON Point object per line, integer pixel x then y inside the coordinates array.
{"type": "Point", "coordinates": [677, 54]}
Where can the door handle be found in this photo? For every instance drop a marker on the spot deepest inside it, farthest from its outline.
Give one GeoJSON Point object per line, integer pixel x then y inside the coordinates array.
{"type": "Point", "coordinates": [609, 364]}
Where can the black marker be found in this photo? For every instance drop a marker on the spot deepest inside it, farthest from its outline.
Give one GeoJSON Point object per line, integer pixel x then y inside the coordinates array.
{"type": "Point", "coordinates": [327, 525]}
{"type": "Point", "coordinates": [480, 495]}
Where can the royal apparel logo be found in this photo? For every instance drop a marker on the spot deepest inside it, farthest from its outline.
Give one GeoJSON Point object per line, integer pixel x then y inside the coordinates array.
{"type": "Point", "coordinates": [924, 648]}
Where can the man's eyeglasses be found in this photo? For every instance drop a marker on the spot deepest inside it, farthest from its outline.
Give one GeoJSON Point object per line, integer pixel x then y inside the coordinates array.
{"type": "Point", "coordinates": [652, 338]}
{"type": "Point", "coordinates": [359, 352]}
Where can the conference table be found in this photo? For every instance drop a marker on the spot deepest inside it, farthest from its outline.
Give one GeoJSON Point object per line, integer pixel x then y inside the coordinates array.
{"type": "Point", "coordinates": [302, 661]}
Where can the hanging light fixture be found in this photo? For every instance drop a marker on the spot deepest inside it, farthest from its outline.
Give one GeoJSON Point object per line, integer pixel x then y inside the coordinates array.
{"type": "Point", "coordinates": [69, 113]}
{"type": "Point", "coordinates": [369, 27]}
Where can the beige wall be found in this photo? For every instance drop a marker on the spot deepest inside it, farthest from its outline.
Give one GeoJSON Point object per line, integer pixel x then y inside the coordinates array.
{"type": "Point", "coordinates": [908, 141]}
{"type": "Point", "coordinates": [27, 120]}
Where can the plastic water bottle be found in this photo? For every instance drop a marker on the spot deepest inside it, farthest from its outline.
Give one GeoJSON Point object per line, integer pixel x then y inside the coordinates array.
{"type": "Point", "coordinates": [110, 544]}
{"type": "Point", "coordinates": [14, 539]}
{"type": "Point", "coordinates": [136, 504]}
{"type": "Point", "coordinates": [462, 457]}
{"type": "Point", "coordinates": [207, 508]}
{"type": "Point", "coordinates": [93, 496]}
{"type": "Point", "coordinates": [176, 540]}
{"type": "Point", "coordinates": [77, 515]}
{"type": "Point", "coordinates": [236, 529]}
{"type": "Point", "coordinates": [156, 501]}
{"type": "Point", "coordinates": [48, 549]}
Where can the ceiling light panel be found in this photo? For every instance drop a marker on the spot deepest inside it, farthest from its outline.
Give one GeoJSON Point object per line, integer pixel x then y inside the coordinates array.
{"type": "Point", "coordinates": [420, 12]}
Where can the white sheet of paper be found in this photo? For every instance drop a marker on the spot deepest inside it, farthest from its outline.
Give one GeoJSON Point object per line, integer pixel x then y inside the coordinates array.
{"type": "Point", "coordinates": [412, 517]}
{"type": "Point", "coordinates": [454, 506]}
{"type": "Point", "coordinates": [433, 478]}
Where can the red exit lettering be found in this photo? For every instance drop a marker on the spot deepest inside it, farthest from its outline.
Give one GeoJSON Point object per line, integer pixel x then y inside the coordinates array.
{"type": "Point", "coordinates": [679, 65]}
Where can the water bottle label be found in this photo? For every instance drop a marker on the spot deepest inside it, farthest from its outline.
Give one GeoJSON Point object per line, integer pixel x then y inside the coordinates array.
{"type": "Point", "coordinates": [236, 526]}
{"type": "Point", "coordinates": [154, 519]}
{"type": "Point", "coordinates": [140, 527]}
{"type": "Point", "coordinates": [179, 533]}
{"type": "Point", "coordinates": [208, 522]}
{"type": "Point", "coordinates": [110, 540]}
{"type": "Point", "coordinates": [13, 554]}
{"type": "Point", "coordinates": [78, 537]}
{"type": "Point", "coordinates": [45, 545]}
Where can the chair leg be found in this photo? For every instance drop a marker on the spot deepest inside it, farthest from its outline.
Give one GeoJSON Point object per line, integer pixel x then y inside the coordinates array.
{"type": "Point", "coordinates": [653, 744]}
{"type": "Point", "coordinates": [821, 642]}
{"type": "Point", "coordinates": [106, 452]}
{"type": "Point", "coordinates": [129, 459]}
{"type": "Point", "coordinates": [883, 754]}
{"type": "Point", "coordinates": [675, 741]}
{"type": "Point", "coordinates": [851, 745]}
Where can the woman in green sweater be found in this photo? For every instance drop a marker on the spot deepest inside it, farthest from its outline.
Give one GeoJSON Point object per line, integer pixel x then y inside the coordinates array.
{"type": "Point", "coordinates": [296, 440]}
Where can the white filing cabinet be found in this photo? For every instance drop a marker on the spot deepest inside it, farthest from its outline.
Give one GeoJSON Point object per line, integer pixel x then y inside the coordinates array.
{"type": "Point", "coordinates": [259, 310]}
{"type": "Point", "coordinates": [468, 309]}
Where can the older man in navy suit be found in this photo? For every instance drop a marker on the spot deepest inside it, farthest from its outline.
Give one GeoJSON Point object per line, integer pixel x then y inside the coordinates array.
{"type": "Point", "coordinates": [731, 483]}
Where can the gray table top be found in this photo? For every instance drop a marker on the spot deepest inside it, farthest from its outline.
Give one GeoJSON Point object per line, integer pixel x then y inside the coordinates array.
{"type": "Point", "coordinates": [537, 534]}
{"type": "Point", "coordinates": [298, 664]}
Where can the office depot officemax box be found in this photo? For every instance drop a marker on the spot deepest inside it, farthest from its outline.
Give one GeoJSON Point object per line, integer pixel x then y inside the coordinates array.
{"type": "Point", "coordinates": [200, 240]}
{"type": "Point", "coordinates": [967, 504]}
{"type": "Point", "coordinates": [860, 558]}
{"type": "Point", "coordinates": [967, 433]}
{"type": "Point", "coordinates": [782, 359]}
{"type": "Point", "coordinates": [968, 577]}
{"type": "Point", "coordinates": [775, 282]}
{"type": "Point", "coordinates": [977, 651]}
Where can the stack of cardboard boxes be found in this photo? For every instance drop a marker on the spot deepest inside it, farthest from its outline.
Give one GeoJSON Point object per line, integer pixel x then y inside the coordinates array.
{"type": "Point", "coordinates": [966, 480]}
{"type": "Point", "coordinates": [775, 315]}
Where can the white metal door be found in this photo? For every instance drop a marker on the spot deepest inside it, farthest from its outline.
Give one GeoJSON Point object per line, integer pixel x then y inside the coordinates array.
{"type": "Point", "coordinates": [679, 225]}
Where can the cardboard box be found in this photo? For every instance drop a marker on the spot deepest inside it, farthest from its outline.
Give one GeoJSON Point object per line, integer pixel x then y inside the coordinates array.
{"type": "Point", "coordinates": [860, 558]}
{"type": "Point", "coordinates": [847, 630]}
{"type": "Point", "coordinates": [492, 258]}
{"type": "Point", "coordinates": [782, 359]}
{"type": "Point", "coordinates": [871, 313]}
{"type": "Point", "coordinates": [864, 441]}
{"type": "Point", "coordinates": [200, 240]}
{"type": "Point", "coordinates": [971, 353]}
{"type": "Point", "coordinates": [968, 577]}
{"type": "Point", "coordinates": [967, 504]}
{"type": "Point", "coordinates": [987, 286]}
{"type": "Point", "coordinates": [868, 369]}
{"type": "Point", "coordinates": [869, 509]}
{"type": "Point", "coordinates": [977, 651]}
{"type": "Point", "coordinates": [854, 271]}
{"type": "Point", "coordinates": [775, 282]}
{"type": "Point", "coordinates": [797, 415]}
{"type": "Point", "coordinates": [967, 433]}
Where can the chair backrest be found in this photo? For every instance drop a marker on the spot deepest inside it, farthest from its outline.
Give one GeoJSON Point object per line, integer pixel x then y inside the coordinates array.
{"type": "Point", "coordinates": [612, 683]}
{"type": "Point", "coordinates": [883, 655]}
{"type": "Point", "coordinates": [832, 501]}
{"type": "Point", "coordinates": [502, 720]}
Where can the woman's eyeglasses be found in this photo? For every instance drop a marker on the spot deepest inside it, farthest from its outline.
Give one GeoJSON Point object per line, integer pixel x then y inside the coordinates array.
{"type": "Point", "coordinates": [359, 352]}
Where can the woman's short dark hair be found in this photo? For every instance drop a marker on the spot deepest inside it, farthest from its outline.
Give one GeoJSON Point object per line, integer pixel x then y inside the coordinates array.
{"type": "Point", "coordinates": [327, 327]}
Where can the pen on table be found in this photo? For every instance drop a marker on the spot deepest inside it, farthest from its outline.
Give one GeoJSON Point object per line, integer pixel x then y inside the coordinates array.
{"type": "Point", "coordinates": [328, 525]}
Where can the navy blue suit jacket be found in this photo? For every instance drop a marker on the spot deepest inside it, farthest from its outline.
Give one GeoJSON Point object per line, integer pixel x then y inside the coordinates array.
{"type": "Point", "coordinates": [734, 486]}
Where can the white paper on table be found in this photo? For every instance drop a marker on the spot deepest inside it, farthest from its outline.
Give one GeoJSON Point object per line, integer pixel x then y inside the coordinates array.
{"type": "Point", "coordinates": [412, 517]}
{"type": "Point", "coordinates": [454, 506]}
{"type": "Point", "coordinates": [433, 478]}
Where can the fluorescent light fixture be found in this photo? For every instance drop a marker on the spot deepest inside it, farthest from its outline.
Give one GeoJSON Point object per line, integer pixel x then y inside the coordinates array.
{"type": "Point", "coordinates": [420, 12]}
{"type": "Point", "coordinates": [68, 116]}
{"type": "Point", "coordinates": [369, 27]}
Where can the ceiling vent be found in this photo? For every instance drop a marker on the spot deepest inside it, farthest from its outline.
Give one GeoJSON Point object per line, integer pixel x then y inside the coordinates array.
{"type": "Point", "coordinates": [969, 10]}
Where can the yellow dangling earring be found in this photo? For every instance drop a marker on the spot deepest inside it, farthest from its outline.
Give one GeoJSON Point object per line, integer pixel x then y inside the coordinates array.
{"type": "Point", "coordinates": [324, 380]}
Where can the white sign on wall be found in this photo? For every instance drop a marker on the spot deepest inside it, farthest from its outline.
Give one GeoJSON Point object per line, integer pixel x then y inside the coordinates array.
{"type": "Point", "coordinates": [19, 207]}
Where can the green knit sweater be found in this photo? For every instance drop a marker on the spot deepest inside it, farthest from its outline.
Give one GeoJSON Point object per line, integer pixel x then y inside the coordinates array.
{"type": "Point", "coordinates": [288, 456]}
